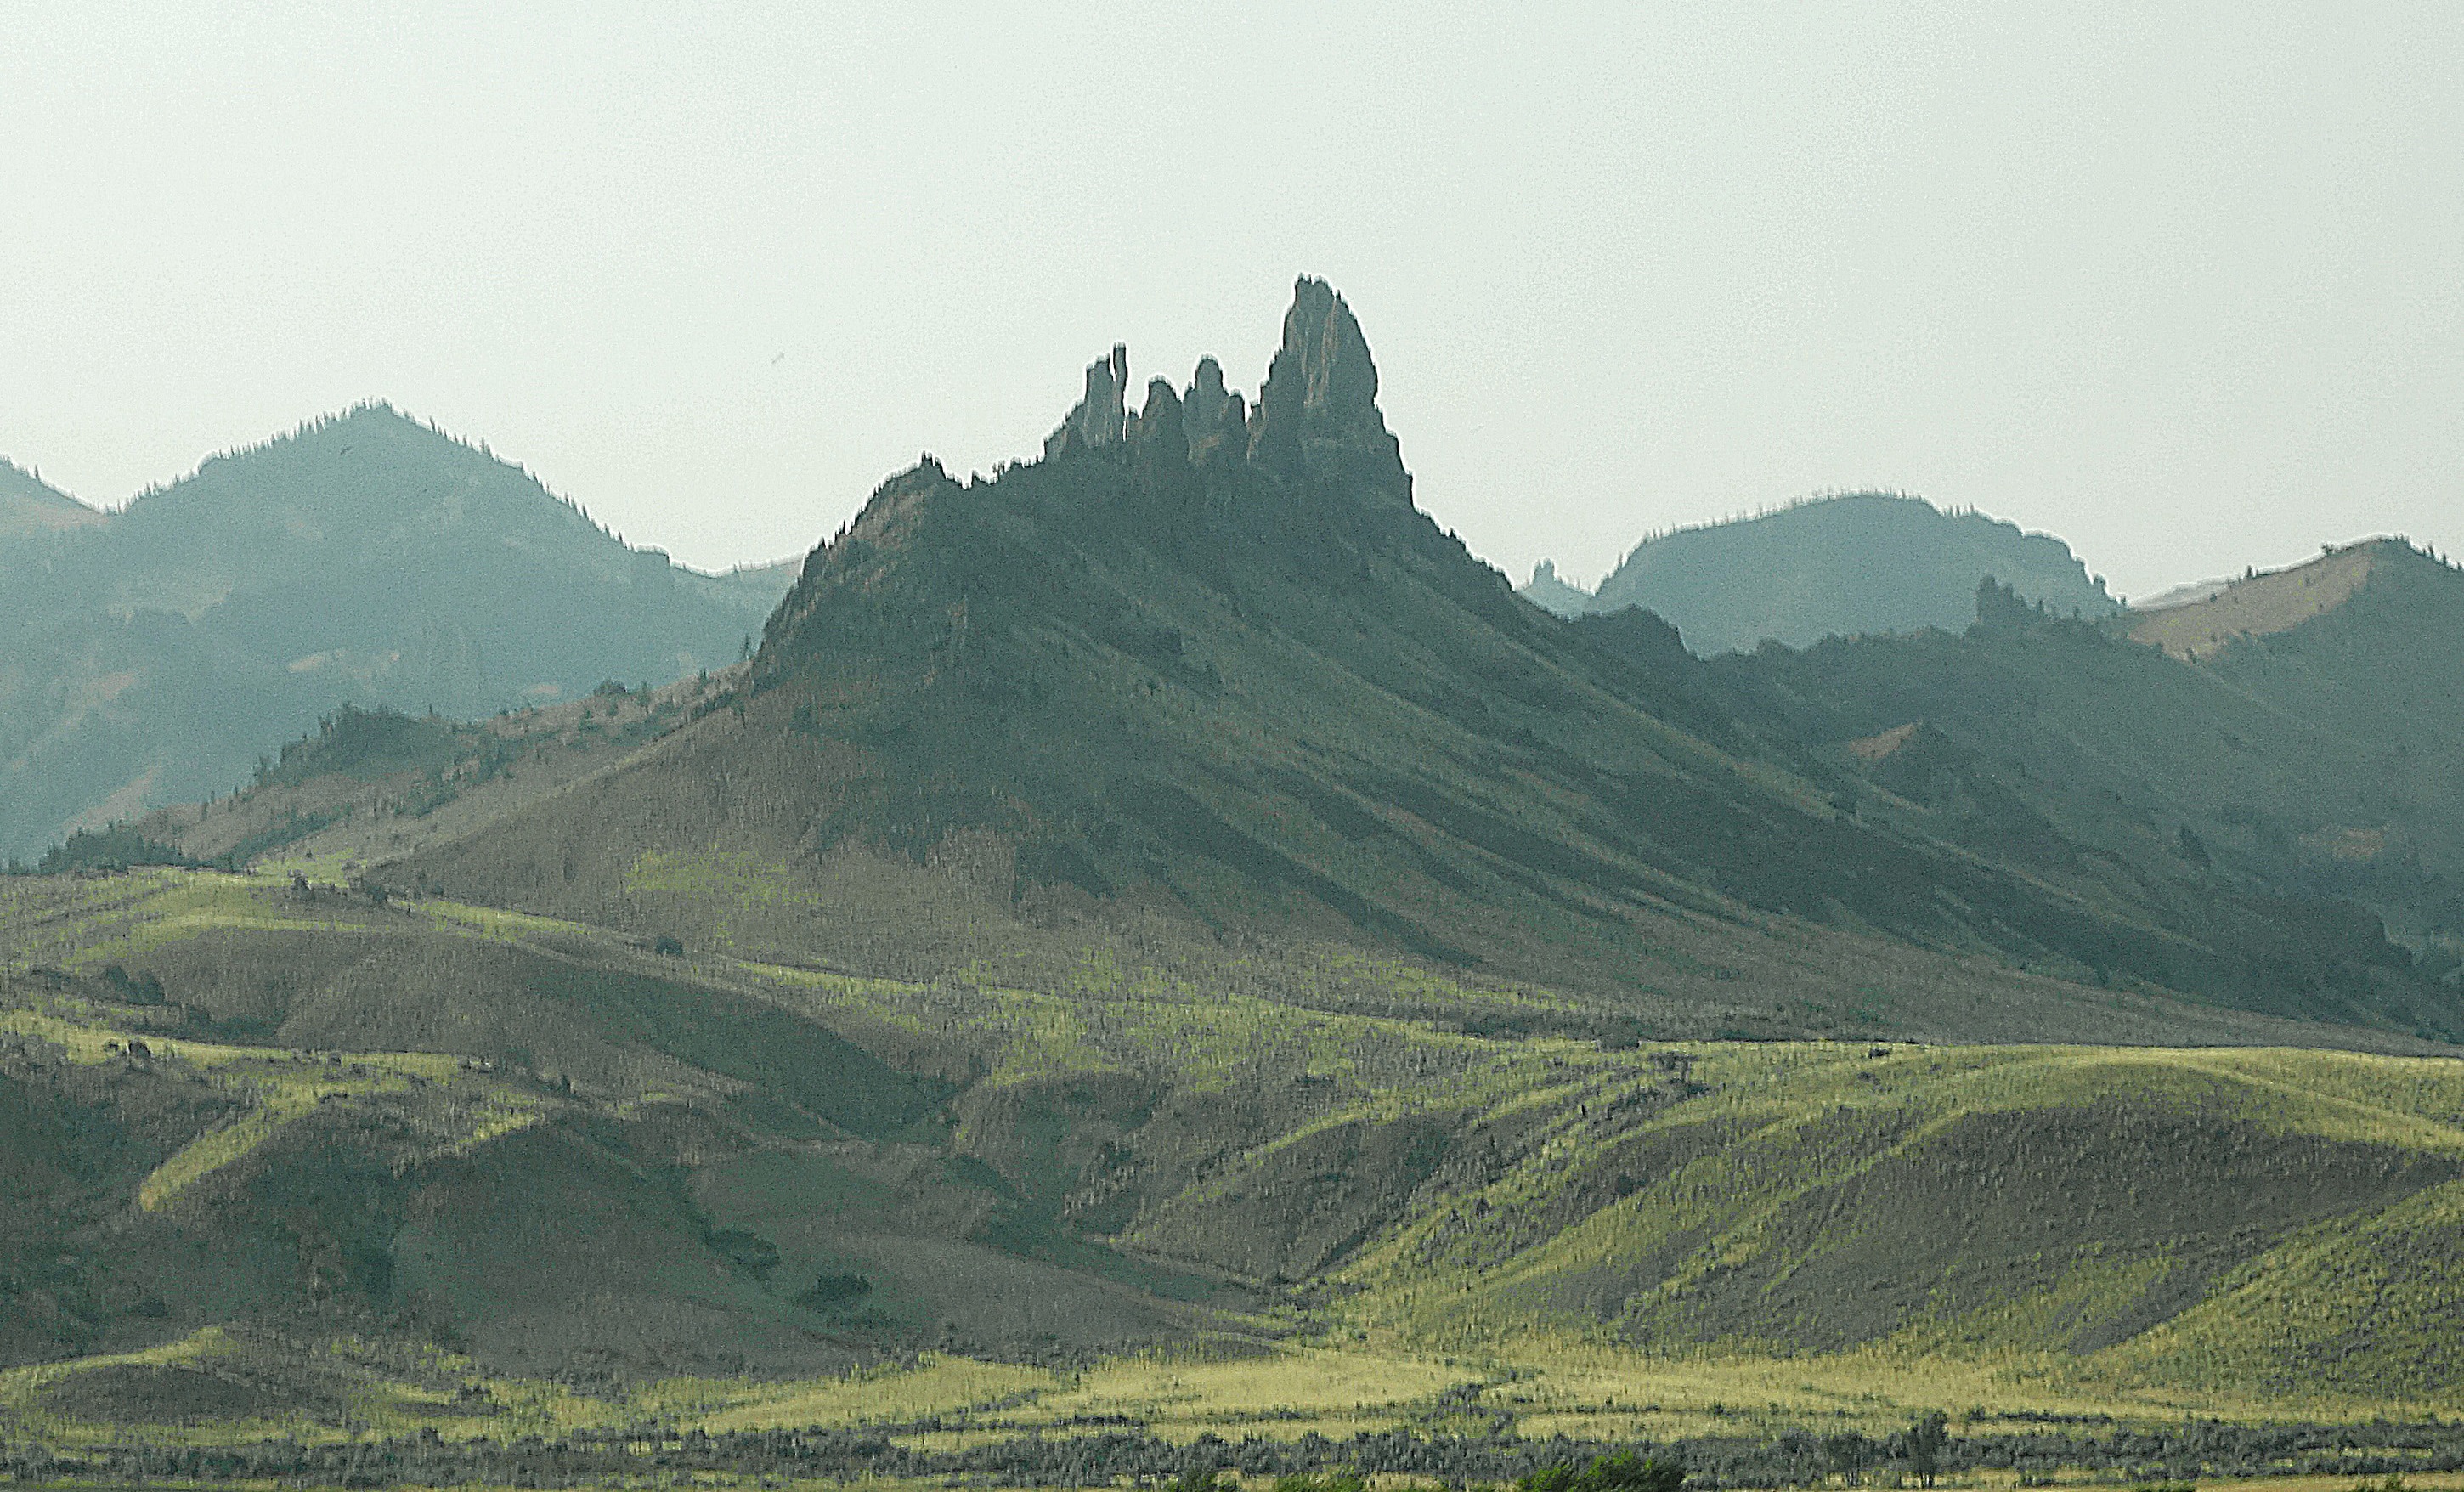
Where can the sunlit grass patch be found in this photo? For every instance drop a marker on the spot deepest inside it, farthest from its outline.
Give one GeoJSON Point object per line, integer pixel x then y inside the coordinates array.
{"type": "Point", "coordinates": [938, 1386]}
{"type": "Point", "coordinates": [1287, 1386]}
{"type": "Point", "coordinates": [281, 1086]}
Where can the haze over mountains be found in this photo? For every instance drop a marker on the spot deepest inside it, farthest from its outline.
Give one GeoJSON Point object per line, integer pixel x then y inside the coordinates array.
{"type": "Point", "coordinates": [1843, 566]}
{"type": "Point", "coordinates": [1170, 892]}
{"type": "Point", "coordinates": [157, 655]}
{"type": "Point", "coordinates": [31, 506]}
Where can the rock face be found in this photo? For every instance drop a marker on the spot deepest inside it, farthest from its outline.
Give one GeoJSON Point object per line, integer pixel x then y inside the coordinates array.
{"type": "Point", "coordinates": [1216, 420]}
{"type": "Point", "coordinates": [1098, 418]}
{"type": "Point", "coordinates": [1315, 426]}
{"type": "Point", "coordinates": [1317, 418]}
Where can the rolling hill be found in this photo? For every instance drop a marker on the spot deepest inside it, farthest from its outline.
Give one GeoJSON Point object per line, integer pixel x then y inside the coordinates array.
{"type": "Point", "coordinates": [154, 656]}
{"type": "Point", "coordinates": [331, 1167]}
{"type": "Point", "coordinates": [1843, 566]}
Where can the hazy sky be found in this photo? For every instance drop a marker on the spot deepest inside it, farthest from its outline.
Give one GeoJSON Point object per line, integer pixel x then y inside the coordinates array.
{"type": "Point", "coordinates": [2183, 284]}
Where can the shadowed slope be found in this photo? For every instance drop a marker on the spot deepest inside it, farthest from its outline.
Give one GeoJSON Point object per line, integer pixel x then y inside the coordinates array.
{"type": "Point", "coordinates": [1211, 662]}
{"type": "Point", "coordinates": [2315, 768]}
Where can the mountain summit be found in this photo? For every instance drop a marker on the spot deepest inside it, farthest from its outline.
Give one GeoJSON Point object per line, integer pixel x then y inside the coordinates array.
{"type": "Point", "coordinates": [364, 559]}
{"type": "Point", "coordinates": [1857, 564]}
{"type": "Point", "coordinates": [1206, 662]}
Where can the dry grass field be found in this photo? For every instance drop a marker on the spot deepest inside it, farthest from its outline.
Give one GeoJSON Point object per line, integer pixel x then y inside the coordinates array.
{"type": "Point", "coordinates": [2258, 606]}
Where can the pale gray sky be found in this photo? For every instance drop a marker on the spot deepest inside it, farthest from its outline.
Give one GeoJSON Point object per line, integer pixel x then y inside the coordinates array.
{"type": "Point", "coordinates": [2182, 283]}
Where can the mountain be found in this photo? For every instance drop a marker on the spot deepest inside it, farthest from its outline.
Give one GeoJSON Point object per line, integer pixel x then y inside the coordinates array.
{"type": "Point", "coordinates": [1844, 566]}
{"type": "Point", "coordinates": [2299, 738]}
{"type": "Point", "coordinates": [156, 657]}
{"type": "Point", "coordinates": [31, 508]}
{"type": "Point", "coordinates": [1206, 668]}
{"type": "Point", "coordinates": [1161, 939]}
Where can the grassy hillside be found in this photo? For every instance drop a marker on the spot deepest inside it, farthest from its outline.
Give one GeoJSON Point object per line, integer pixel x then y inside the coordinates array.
{"type": "Point", "coordinates": [1910, 1204]}
{"type": "Point", "coordinates": [2260, 605]}
{"type": "Point", "coordinates": [154, 658]}
{"type": "Point", "coordinates": [304, 1162]}
{"type": "Point", "coordinates": [377, 785]}
{"type": "Point", "coordinates": [1843, 566]}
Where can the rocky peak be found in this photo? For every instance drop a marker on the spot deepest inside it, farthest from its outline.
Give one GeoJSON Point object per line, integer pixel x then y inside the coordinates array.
{"type": "Point", "coordinates": [1156, 432]}
{"type": "Point", "coordinates": [1554, 592]}
{"type": "Point", "coordinates": [1315, 426]}
{"type": "Point", "coordinates": [1100, 417]}
{"type": "Point", "coordinates": [1317, 420]}
{"type": "Point", "coordinates": [1215, 419]}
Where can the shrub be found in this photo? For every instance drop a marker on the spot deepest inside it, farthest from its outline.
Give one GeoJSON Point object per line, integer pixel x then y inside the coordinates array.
{"type": "Point", "coordinates": [1621, 1472]}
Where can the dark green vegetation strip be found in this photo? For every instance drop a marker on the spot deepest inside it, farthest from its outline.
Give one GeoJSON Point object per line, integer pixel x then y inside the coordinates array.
{"type": "Point", "coordinates": [1791, 1458]}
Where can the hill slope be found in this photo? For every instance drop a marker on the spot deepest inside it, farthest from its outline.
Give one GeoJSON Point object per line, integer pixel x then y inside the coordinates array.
{"type": "Point", "coordinates": [1210, 666]}
{"type": "Point", "coordinates": [1867, 562]}
{"type": "Point", "coordinates": [31, 506]}
{"type": "Point", "coordinates": [2317, 763]}
{"type": "Point", "coordinates": [285, 1129]}
{"type": "Point", "coordinates": [155, 658]}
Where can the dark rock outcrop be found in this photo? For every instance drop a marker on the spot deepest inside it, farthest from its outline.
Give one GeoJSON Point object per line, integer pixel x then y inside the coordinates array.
{"type": "Point", "coordinates": [1317, 421]}
{"type": "Point", "coordinates": [1215, 419]}
{"type": "Point", "coordinates": [1553, 592]}
{"type": "Point", "coordinates": [1315, 428]}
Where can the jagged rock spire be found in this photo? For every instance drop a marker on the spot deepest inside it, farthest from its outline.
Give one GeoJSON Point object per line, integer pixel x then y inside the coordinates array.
{"type": "Point", "coordinates": [1317, 419]}
{"type": "Point", "coordinates": [1100, 417]}
{"type": "Point", "coordinates": [1315, 424]}
{"type": "Point", "coordinates": [1215, 418]}
{"type": "Point", "coordinates": [1156, 432]}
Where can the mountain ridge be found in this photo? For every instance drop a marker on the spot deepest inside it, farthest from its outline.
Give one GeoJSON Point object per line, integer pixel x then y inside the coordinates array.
{"type": "Point", "coordinates": [32, 507]}
{"type": "Point", "coordinates": [1237, 679]}
{"type": "Point", "coordinates": [1845, 564]}
{"type": "Point", "coordinates": [361, 558]}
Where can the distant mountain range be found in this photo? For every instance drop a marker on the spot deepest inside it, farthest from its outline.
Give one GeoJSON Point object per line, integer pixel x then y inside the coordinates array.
{"type": "Point", "coordinates": [153, 656]}
{"type": "Point", "coordinates": [1860, 564]}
